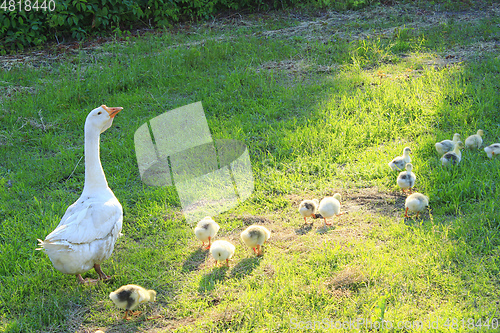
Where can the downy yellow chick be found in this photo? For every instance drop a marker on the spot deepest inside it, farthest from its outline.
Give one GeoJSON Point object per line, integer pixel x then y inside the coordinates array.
{"type": "Point", "coordinates": [399, 162]}
{"type": "Point", "coordinates": [447, 145]}
{"type": "Point", "coordinates": [453, 157]}
{"type": "Point", "coordinates": [206, 230]}
{"type": "Point", "coordinates": [222, 250]}
{"type": "Point", "coordinates": [416, 203]}
{"type": "Point", "coordinates": [130, 296]}
{"type": "Point", "coordinates": [307, 208]}
{"type": "Point", "coordinates": [254, 237]}
{"type": "Point", "coordinates": [474, 141]}
{"type": "Point", "coordinates": [492, 150]}
{"type": "Point", "coordinates": [329, 207]}
{"type": "Point", "coordinates": [406, 179]}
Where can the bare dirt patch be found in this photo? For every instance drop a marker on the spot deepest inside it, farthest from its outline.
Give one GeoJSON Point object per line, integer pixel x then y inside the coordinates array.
{"type": "Point", "coordinates": [332, 24]}
{"type": "Point", "coordinates": [372, 201]}
{"type": "Point", "coordinates": [251, 219]}
{"type": "Point", "coordinates": [360, 206]}
{"type": "Point", "coordinates": [368, 200]}
{"type": "Point", "coordinates": [151, 321]}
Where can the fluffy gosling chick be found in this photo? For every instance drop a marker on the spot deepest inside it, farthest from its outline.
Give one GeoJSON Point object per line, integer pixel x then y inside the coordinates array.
{"type": "Point", "coordinates": [492, 150]}
{"type": "Point", "coordinates": [128, 297]}
{"type": "Point", "coordinates": [406, 179]}
{"type": "Point", "coordinates": [329, 207]}
{"type": "Point", "coordinates": [399, 162]}
{"type": "Point", "coordinates": [416, 203]}
{"type": "Point", "coordinates": [474, 141]}
{"type": "Point", "coordinates": [254, 237]}
{"type": "Point", "coordinates": [453, 157]}
{"type": "Point", "coordinates": [307, 208]}
{"type": "Point", "coordinates": [447, 145]}
{"type": "Point", "coordinates": [206, 230]}
{"type": "Point", "coordinates": [222, 250]}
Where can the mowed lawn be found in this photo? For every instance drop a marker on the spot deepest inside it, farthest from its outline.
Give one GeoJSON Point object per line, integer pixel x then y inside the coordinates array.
{"type": "Point", "coordinates": [323, 101]}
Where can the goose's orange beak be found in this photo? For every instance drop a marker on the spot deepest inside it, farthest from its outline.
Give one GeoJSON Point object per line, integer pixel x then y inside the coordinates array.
{"type": "Point", "coordinates": [111, 111]}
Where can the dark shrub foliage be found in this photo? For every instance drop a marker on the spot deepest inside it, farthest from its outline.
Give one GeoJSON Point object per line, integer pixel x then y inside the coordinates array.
{"type": "Point", "coordinates": [28, 23]}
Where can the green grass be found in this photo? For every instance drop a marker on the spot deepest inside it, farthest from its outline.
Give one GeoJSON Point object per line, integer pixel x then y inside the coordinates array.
{"type": "Point", "coordinates": [323, 108]}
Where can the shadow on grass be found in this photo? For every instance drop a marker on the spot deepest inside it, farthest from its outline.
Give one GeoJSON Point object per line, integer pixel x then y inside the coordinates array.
{"type": "Point", "coordinates": [195, 260]}
{"type": "Point", "coordinates": [304, 229]}
{"type": "Point", "coordinates": [245, 267]}
{"type": "Point", "coordinates": [127, 326]}
{"type": "Point", "coordinates": [210, 280]}
{"type": "Point", "coordinates": [422, 217]}
{"type": "Point", "coordinates": [325, 228]}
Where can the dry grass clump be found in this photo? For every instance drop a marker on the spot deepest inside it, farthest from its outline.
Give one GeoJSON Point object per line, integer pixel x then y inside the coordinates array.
{"type": "Point", "coordinates": [347, 281]}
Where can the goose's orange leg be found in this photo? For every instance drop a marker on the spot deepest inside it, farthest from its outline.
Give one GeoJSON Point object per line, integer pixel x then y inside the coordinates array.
{"type": "Point", "coordinates": [85, 281]}
{"type": "Point", "coordinates": [99, 271]}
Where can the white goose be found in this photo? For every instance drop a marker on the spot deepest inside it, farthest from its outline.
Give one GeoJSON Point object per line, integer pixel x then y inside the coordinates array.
{"type": "Point", "coordinates": [87, 233]}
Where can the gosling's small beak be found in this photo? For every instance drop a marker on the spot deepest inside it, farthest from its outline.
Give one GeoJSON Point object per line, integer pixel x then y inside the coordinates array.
{"type": "Point", "coordinates": [111, 111]}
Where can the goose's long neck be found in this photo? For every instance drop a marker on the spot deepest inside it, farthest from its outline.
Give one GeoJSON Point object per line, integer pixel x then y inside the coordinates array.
{"type": "Point", "coordinates": [94, 174]}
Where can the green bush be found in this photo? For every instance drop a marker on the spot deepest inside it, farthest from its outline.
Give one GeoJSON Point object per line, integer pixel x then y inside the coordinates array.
{"type": "Point", "coordinates": [60, 19]}
{"type": "Point", "coordinates": [19, 29]}
{"type": "Point", "coordinates": [40, 21]}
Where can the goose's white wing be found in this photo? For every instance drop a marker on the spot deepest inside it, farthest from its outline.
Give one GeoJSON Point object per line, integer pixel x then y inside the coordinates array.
{"type": "Point", "coordinates": [86, 221]}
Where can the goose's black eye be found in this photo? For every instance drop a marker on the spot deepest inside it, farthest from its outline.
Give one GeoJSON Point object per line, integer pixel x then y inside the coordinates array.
{"type": "Point", "coordinates": [99, 112]}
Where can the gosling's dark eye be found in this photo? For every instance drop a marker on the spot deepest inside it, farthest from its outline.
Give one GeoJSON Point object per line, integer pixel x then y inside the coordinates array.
{"type": "Point", "coordinates": [99, 112]}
